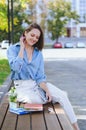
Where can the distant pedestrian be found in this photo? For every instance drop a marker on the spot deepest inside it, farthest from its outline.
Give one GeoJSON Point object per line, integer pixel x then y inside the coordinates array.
{"type": "Point", "coordinates": [27, 66]}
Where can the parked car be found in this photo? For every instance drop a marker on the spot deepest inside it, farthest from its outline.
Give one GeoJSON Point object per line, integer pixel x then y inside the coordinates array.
{"type": "Point", "coordinates": [80, 45]}
{"type": "Point", "coordinates": [5, 44]}
{"type": "Point", "coordinates": [57, 45]}
{"type": "Point", "coordinates": [69, 45]}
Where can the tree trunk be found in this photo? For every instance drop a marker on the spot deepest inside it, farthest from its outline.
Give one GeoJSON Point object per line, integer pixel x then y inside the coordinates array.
{"type": "Point", "coordinates": [57, 39]}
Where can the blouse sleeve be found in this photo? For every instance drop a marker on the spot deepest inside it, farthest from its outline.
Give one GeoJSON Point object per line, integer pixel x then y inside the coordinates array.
{"type": "Point", "coordinates": [41, 77]}
{"type": "Point", "coordinates": [15, 61]}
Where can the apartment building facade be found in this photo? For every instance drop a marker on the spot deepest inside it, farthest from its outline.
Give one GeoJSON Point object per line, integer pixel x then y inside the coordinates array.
{"type": "Point", "coordinates": [78, 30]}
{"type": "Point", "coordinates": [73, 29]}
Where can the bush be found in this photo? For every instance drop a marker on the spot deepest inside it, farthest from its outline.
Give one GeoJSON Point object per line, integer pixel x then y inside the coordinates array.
{"type": "Point", "coordinates": [4, 70]}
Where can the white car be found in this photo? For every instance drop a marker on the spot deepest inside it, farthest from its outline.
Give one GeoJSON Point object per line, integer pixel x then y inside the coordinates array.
{"type": "Point", "coordinates": [80, 45]}
{"type": "Point", "coordinates": [5, 44]}
{"type": "Point", "coordinates": [69, 45]}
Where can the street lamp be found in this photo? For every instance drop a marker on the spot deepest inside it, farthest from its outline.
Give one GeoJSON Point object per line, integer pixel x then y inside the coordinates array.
{"type": "Point", "coordinates": [8, 16]}
{"type": "Point", "coordinates": [10, 21]}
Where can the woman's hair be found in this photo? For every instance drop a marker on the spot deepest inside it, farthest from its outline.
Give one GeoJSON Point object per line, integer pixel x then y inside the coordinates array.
{"type": "Point", "coordinates": [40, 43]}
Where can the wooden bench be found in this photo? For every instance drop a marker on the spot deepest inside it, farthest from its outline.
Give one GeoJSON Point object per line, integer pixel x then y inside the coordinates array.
{"type": "Point", "coordinates": [54, 120]}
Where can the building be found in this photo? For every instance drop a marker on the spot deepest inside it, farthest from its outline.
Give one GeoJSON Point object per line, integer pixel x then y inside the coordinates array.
{"type": "Point", "coordinates": [78, 30]}
{"type": "Point", "coordinates": [73, 29]}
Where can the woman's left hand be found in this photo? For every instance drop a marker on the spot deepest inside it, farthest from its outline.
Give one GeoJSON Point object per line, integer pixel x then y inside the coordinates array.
{"type": "Point", "coordinates": [48, 95]}
{"type": "Point", "coordinates": [45, 88]}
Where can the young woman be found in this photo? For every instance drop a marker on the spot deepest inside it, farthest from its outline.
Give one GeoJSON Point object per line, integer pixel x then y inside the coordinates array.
{"type": "Point", "coordinates": [27, 66]}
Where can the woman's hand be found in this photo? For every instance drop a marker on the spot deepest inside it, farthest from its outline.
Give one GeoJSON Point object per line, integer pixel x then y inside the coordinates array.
{"type": "Point", "coordinates": [22, 47]}
{"type": "Point", "coordinates": [22, 42]}
{"type": "Point", "coordinates": [48, 95]}
{"type": "Point", "coordinates": [45, 88]}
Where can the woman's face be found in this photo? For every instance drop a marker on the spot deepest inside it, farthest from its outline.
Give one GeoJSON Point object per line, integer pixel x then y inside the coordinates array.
{"type": "Point", "coordinates": [32, 36]}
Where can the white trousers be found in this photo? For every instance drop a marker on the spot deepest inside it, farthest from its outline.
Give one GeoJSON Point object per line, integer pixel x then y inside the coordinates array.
{"type": "Point", "coordinates": [27, 91]}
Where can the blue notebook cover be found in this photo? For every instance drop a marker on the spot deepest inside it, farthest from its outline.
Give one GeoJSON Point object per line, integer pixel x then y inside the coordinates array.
{"type": "Point", "coordinates": [19, 111]}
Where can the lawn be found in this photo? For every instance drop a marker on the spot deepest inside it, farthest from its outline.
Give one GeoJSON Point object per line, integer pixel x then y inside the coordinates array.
{"type": "Point", "coordinates": [4, 70]}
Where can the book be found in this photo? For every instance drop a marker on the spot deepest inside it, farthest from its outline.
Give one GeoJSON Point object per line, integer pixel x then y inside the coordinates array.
{"type": "Point", "coordinates": [19, 111]}
{"type": "Point", "coordinates": [33, 107]}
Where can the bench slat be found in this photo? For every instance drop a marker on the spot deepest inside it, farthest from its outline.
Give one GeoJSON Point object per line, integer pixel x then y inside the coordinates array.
{"type": "Point", "coordinates": [9, 118]}
{"type": "Point", "coordinates": [62, 118]}
{"type": "Point", "coordinates": [3, 111]}
{"type": "Point", "coordinates": [23, 122]}
{"type": "Point", "coordinates": [54, 120]}
{"type": "Point", "coordinates": [9, 122]}
{"type": "Point", "coordinates": [51, 119]}
{"type": "Point", "coordinates": [38, 121]}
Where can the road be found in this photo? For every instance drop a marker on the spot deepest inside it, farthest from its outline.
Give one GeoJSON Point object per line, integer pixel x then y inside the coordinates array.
{"type": "Point", "coordinates": [66, 68]}
{"type": "Point", "coordinates": [70, 75]}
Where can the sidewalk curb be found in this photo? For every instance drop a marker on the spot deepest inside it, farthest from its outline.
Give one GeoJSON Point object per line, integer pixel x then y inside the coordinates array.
{"type": "Point", "coordinates": [5, 87]}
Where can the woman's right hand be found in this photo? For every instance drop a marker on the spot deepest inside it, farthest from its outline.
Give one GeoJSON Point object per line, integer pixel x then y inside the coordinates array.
{"type": "Point", "coordinates": [22, 47]}
{"type": "Point", "coordinates": [22, 42]}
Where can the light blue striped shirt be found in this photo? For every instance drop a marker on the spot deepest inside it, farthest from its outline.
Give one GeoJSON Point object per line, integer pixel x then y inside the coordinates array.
{"type": "Point", "coordinates": [23, 69]}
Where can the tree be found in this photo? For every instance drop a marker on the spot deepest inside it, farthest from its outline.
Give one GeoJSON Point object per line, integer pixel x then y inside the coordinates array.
{"type": "Point", "coordinates": [3, 19]}
{"type": "Point", "coordinates": [4, 24]}
{"type": "Point", "coordinates": [59, 14]}
{"type": "Point", "coordinates": [19, 14]}
{"type": "Point", "coordinates": [41, 18]}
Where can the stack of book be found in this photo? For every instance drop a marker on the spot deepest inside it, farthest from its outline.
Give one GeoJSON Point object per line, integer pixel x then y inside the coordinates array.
{"type": "Point", "coordinates": [27, 108]}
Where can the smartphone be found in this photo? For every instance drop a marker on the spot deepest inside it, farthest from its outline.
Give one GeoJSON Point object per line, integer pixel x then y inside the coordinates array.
{"type": "Point", "coordinates": [42, 94]}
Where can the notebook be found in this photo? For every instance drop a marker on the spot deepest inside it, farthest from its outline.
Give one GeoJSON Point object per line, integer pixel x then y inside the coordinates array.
{"type": "Point", "coordinates": [19, 111]}
{"type": "Point", "coordinates": [33, 107]}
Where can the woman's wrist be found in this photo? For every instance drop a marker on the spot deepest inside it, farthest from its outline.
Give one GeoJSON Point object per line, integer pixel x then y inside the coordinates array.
{"type": "Point", "coordinates": [22, 48]}
{"type": "Point", "coordinates": [44, 87]}
{"type": "Point", "coordinates": [21, 52]}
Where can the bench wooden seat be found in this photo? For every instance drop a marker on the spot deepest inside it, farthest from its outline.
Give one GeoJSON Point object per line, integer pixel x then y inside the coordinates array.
{"type": "Point", "coordinates": [54, 120]}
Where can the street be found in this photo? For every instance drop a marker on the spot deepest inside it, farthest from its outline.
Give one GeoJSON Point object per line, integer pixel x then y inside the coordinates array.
{"type": "Point", "coordinates": [66, 68]}
{"type": "Point", "coordinates": [70, 75]}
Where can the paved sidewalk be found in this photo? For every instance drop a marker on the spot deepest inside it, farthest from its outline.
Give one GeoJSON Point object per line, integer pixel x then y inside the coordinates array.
{"type": "Point", "coordinates": [5, 87]}
{"type": "Point", "coordinates": [56, 54]}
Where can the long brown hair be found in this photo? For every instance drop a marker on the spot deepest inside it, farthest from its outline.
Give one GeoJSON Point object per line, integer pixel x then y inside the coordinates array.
{"type": "Point", "coordinates": [40, 43]}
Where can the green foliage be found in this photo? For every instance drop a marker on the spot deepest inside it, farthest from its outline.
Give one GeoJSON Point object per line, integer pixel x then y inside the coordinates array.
{"type": "Point", "coordinates": [43, 14]}
{"type": "Point", "coordinates": [4, 70]}
{"type": "Point", "coordinates": [60, 13]}
{"type": "Point", "coordinates": [3, 35]}
{"type": "Point", "coordinates": [3, 17]}
{"type": "Point", "coordinates": [12, 95]}
{"type": "Point", "coordinates": [18, 16]}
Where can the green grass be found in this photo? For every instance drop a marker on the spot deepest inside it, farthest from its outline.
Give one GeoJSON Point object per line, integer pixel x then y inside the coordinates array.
{"type": "Point", "coordinates": [4, 70]}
